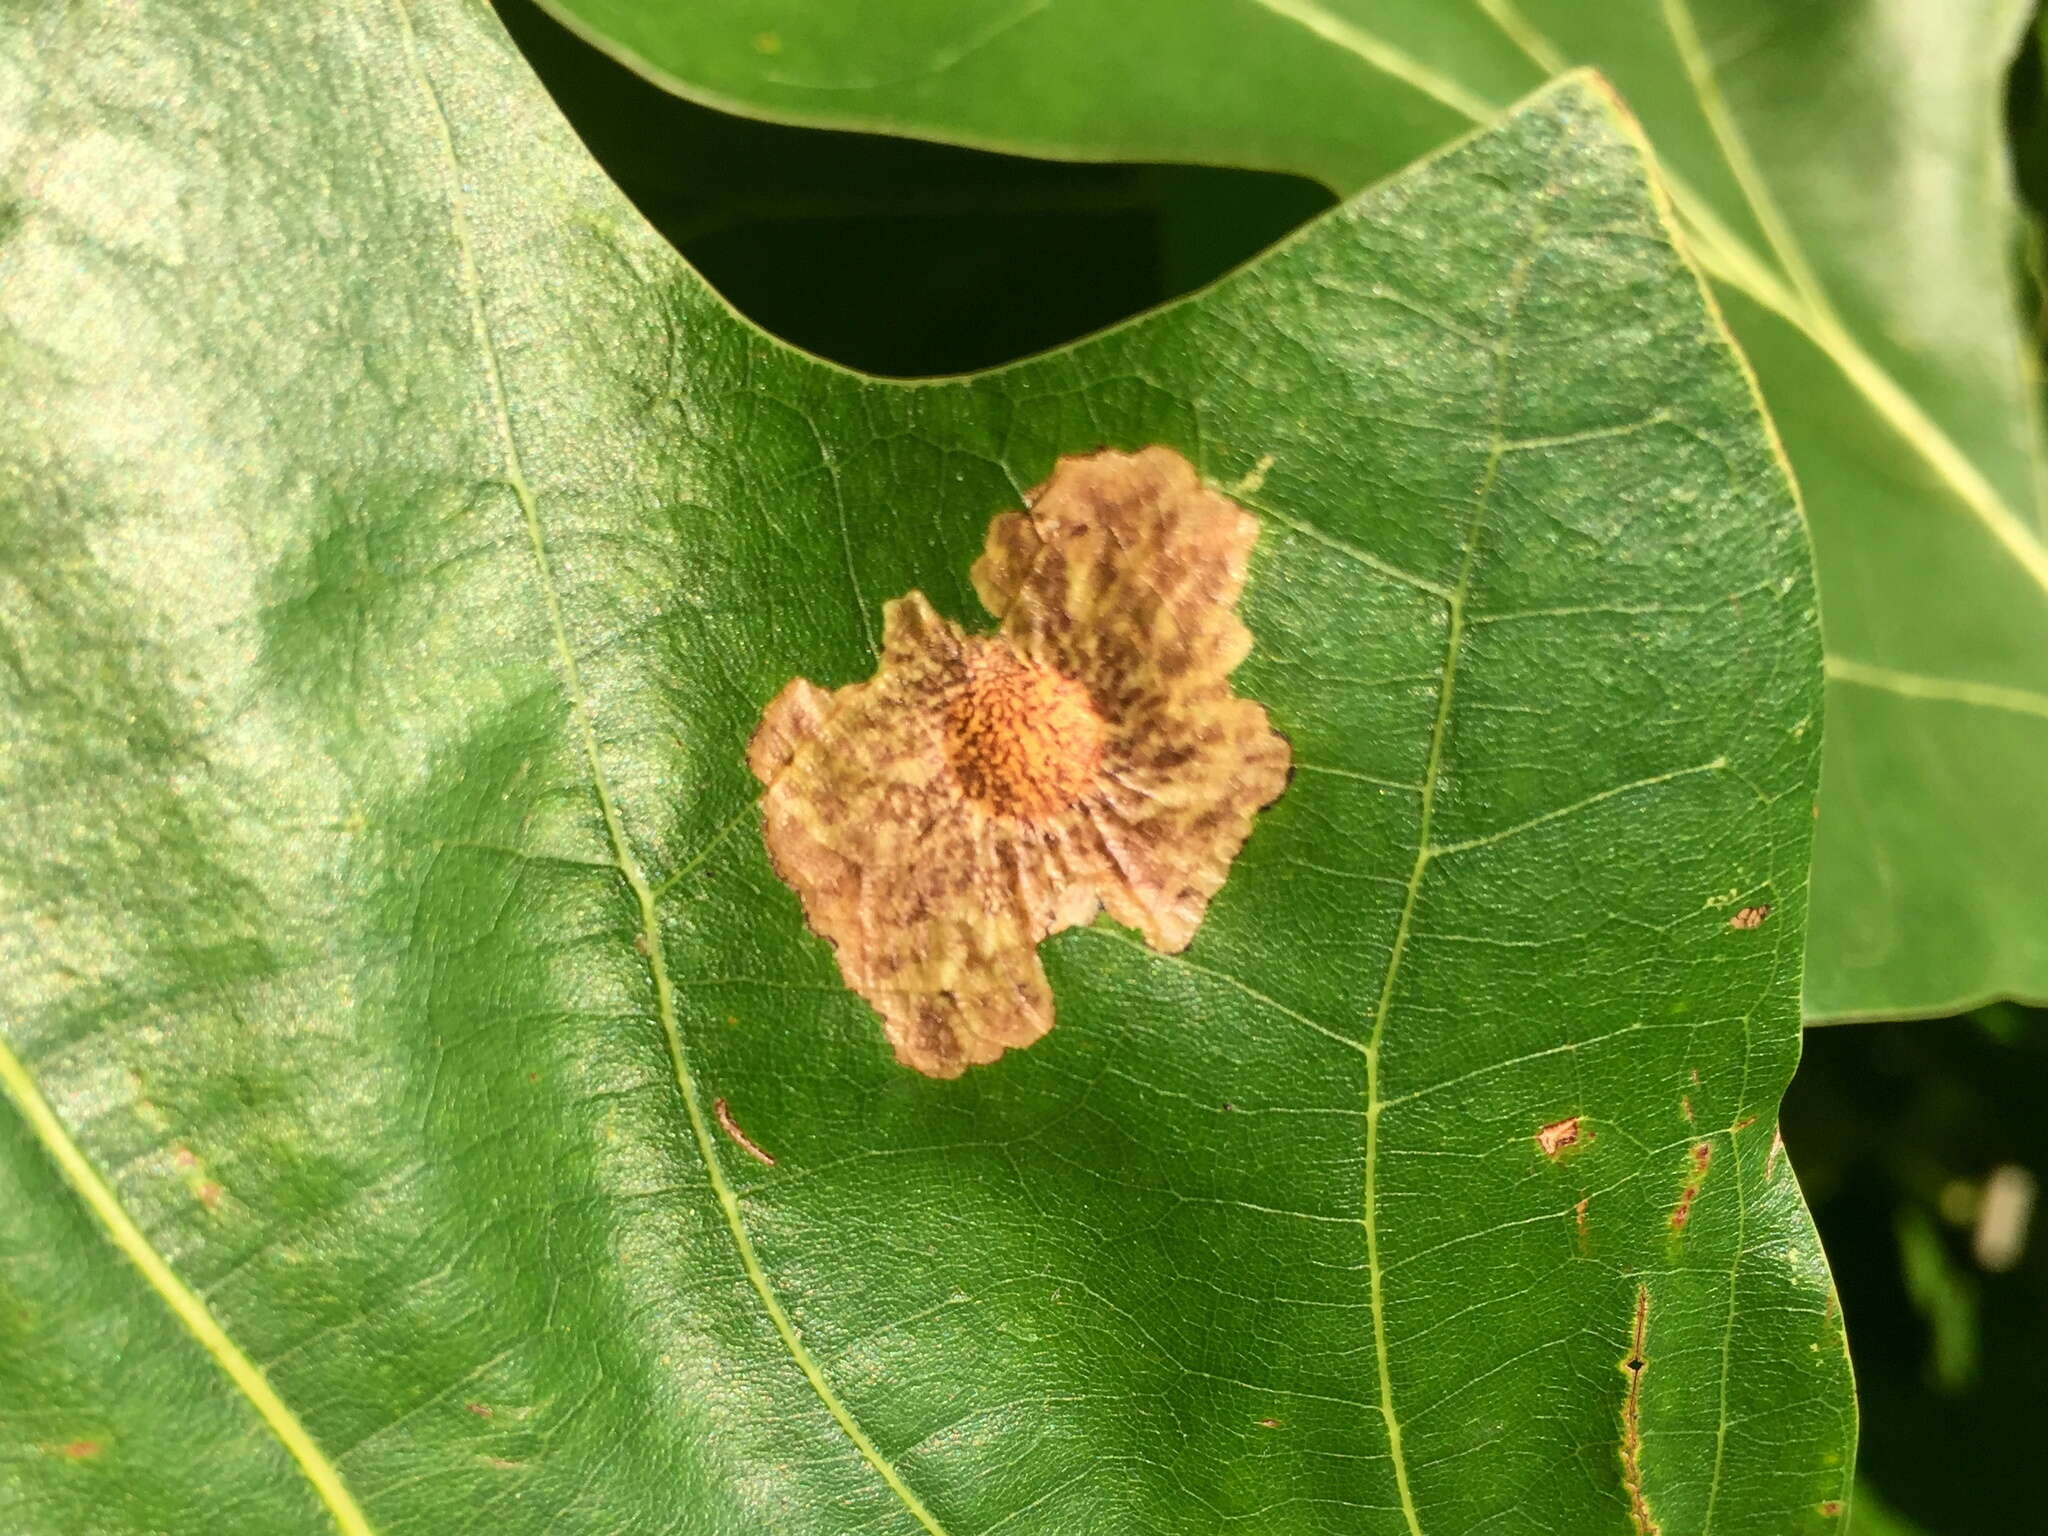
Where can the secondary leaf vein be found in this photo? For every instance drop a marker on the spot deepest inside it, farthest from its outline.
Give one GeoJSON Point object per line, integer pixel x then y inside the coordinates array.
{"type": "Point", "coordinates": [1729, 258]}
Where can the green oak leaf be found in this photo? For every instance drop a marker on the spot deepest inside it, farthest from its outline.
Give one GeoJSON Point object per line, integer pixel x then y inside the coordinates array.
{"type": "Point", "coordinates": [400, 545]}
{"type": "Point", "coordinates": [1840, 172]}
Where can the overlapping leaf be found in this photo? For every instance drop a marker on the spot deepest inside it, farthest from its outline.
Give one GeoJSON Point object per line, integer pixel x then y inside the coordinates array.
{"type": "Point", "coordinates": [400, 544]}
{"type": "Point", "coordinates": [1839, 169]}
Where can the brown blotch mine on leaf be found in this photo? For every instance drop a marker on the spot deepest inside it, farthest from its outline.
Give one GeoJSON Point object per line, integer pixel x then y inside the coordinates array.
{"type": "Point", "coordinates": [982, 792]}
{"type": "Point", "coordinates": [1750, 917]}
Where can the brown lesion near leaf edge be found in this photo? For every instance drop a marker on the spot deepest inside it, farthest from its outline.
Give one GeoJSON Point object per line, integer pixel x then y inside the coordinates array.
{"type": "Point", "coordinates": [982, 792]}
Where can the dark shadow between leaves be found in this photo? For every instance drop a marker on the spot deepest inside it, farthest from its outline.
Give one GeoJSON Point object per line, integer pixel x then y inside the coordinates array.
{"type": "Point", "coordinates": [900, 257]}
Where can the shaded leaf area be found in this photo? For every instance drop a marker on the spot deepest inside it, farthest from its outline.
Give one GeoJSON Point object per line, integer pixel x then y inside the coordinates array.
{"type": "Point", "coordinates": [1875, 1518]}
{"type": "Point", "coordinates": [1840, 170]}
{"type": "Point", "coordinates": [1903, 1135]}
{"type": "Point", "coordinates": [400, 546]}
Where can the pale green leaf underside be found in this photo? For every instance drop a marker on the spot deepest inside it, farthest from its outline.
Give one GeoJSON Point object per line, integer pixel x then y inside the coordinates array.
{"type": "Point", "coordinates": [1839, 170]}
{"type": "Point", "coordinates": [400, 544]}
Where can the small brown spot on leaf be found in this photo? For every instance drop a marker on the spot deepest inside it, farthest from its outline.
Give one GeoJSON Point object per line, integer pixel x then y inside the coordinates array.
{"type": "Point", "coordinates": [1685, 1106]}
{"type": "Point", "coordinates": [746, 1144]}
{"type": "Point", "coordinates": [1681, 1213]}
{"type": "Point", "coordinates": [1558, 1135]}
{"type": "Point", "coordinates": [1579, 1222]}
{"type": "Point", "coordinates": [1832, 1508]}
{"type": "Point", "coordinates": [80, 1450]}
{"type": "Point", "coordinates": [184, 1157]}
{"type": "Point", "coordinates": [982, 792]}
{"type": "Point", "coordinates": [1270, 1423]}
{"type": "Point", "coordinates": [1750, 917]}
{"type": "Point", "coordinates": [640, 943]}
{"type": "Point", "coordinates": [209, 1194]}
{"type": "Point", "coordinates": [481, 1410]}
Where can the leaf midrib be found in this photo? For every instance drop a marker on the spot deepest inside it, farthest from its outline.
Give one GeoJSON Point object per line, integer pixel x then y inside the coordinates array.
{"type": "Point", "coordinates": [644, 894]}
{"type": "Point", "coordinates": [1432, 772]}
{"type": "Point", "coordinates": [1729, 258]}
{"type": "Point", "coordinates": [19, 1085]}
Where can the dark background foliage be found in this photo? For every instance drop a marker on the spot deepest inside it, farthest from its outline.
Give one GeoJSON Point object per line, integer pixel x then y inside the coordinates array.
{"type": "Point", "coordinates": [906, 258]}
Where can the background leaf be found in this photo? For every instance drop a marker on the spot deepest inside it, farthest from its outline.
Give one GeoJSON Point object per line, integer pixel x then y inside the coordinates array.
{"type": "Point", "coordinates": [400, 544]}
{"type": "Point", "coordinates": [1873, 1518]}
{"type": "Point", "coordinates": [1840, 171]}
{"type": "Point", "coordinates": [1898, 1131]}
{"type": "Point", "coordinates": [903, 256]}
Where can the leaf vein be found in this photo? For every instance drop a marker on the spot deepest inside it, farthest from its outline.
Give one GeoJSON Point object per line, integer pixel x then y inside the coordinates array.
{"type": "Point", "coordinates": [628, 865]}
{"type": "Point", "coordinates": [1939, 690]}
{"type": "Point", "coordinates": [1431, 776]}
{"type": "Point", "coordinates": [182, 1301]}
{"type": "Point", "coordinates": [1728, 257]}
{"type": "Point", "coordinates": [1488, 839]}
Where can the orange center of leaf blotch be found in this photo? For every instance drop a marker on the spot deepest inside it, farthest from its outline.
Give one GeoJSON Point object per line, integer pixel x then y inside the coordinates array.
{"type": "Point", "coordinates": [1021, 739]}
